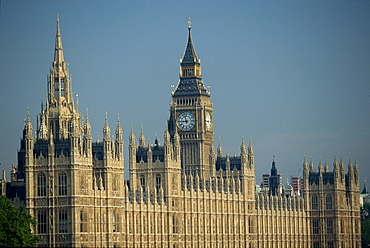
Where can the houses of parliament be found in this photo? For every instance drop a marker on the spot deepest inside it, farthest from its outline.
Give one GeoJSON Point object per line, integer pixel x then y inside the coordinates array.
{"type": "Point", "coordinates": [182, 193]}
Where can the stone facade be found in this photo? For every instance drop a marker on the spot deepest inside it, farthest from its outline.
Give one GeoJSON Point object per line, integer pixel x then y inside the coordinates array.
{"type": "Point", "coordinates": [182, 193]}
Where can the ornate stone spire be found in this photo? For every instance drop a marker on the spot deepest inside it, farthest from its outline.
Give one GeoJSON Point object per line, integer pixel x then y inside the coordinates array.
{"type": "Point", "coordinates": [190, 72]}
{"type": "Point", "coordinates": [190, 57]}
{"type": "Point", "coordinates": [142, 137]}
{"type": "Point", "coordinates": [243, 147]}
{"type": "Point", "coordinates": [58, 53]}
{"type": "Point", "coordinates": [106, 129]}
{"type": "Point", "coordinates": [132, 136]}
{"type": "Point", "coordinates": [219, 148]}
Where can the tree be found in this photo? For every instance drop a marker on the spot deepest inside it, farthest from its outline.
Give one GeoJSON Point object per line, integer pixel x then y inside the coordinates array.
{"type": "Point", "coordinates": [365, 224]}
{"type": "Point", "coordinates": [16, 225]}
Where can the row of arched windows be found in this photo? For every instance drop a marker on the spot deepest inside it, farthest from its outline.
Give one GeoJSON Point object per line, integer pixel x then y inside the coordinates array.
{"type": "Point", "coordinates": [41, 184]}
{"type": "Point", "coordinates": [315, 202]}
{"type": "Point", "coordinates": [158, 181]}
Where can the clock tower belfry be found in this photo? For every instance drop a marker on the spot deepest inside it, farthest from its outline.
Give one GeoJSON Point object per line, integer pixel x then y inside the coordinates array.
{"type": "Point", "coordinates": [191, 114]}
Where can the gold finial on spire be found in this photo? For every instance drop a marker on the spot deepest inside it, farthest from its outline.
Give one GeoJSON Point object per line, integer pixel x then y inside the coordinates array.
{"type": "Point", "coordinates": [189, 23]}
{"type": "Point", "coordinates": [58, 18]}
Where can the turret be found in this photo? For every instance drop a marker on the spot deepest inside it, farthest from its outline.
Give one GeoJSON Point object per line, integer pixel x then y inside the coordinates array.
{"type": "Point", "coordinates": [28, 137]}
{"type": "Point", "coordinates": [177, 146]}
{"type": "Point", "coordinates": [351, 178]}
{"type": "Point", "coordinates": [167, 145]}
{"type": "Point", "coordinates": [341, 170]}
{"type": "Point", "coordinates": [87, 138]}
{"type": "Point", "coordinates": [119, 140]}
{"type": "Point", "coordinates": [219, 148]}
{"type": "Point", "coordinates": [305, 174]}
{"type": "Point", "coordinates": [142, 138]}
{"type": "Point", "coordinates": [251, 154]}
{"type": "Point", "coordinates": [107, 140]}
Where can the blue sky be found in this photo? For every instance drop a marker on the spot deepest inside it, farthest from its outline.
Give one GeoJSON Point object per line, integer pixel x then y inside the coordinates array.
{"type": "Point", "coordinates": [295, 75]}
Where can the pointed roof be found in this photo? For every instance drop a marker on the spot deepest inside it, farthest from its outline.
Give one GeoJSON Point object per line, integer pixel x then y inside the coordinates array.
{"type": "Point", "coordinates": [190, 56]}
{"type": "Point", "coordinates": [190, 85]}
{"type": "Point", "coordinates": [58, 53]}
{"type": "Point", "coordinates": [273, 167]}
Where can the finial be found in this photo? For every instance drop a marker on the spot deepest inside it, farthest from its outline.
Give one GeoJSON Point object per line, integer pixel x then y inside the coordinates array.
{"type": "Point", "coordinates": [58, 18]}
{"type": "Point", "coordinates": [189, 23]}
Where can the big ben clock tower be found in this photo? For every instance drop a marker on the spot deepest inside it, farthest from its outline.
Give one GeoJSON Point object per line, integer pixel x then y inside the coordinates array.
{"type": "Point", "coordinates": [191, 114]}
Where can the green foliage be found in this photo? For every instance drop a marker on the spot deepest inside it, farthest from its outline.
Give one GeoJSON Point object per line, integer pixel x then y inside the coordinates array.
{"type": "Point", "coordinates": [365, 224]}
{"type": "Point", "coordinates": [365, 211]}
{"type": "Point", "coordinates": [16, 226]}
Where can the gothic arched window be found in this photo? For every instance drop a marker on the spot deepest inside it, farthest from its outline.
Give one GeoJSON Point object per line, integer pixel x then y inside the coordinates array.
{"type": "Point", "coordinates": [62, 183]}
{"type": "Point", "coordinates": [41, 185]}
{"type": "Point", "coordinates": [41, 222]}
{"type": "Point", "coordinates": [142, 181]}
{"type": "Point", "coordinates": [158, 182]}
{"type": "Point", "coordinates": [314, 202]}
{"type": "Point", "coordinates": [329, 202]}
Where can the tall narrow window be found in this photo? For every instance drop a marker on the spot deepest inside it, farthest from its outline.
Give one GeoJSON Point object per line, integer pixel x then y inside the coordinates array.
{"type": "Point", "coordinates": [62, 180]}
{"type": "Point", "coordinates": [142, 181]}
{"type": "Point", "coordinates": [329, 226]}
{"type": "Point", "coordinates": [83, 221]}
{"type": "Point", "coordinates": [114, 222]}
{"type": "Point", "coordinates": [329, 202]}
{"type": "Point", "coordinates": [174, 230]}
{"type": "Point", "coordinates": [314, 202]}
{"type": "Point", "coordinates": [41, 185]}
{"type": "Point", "coordinates": [63, 221]}
{"type": "Point", "coordinates": [41, 222]}
{"type": "Point", "coordinates": [315, 226]}
{"type": "Point", "coordinates": [158, 181]}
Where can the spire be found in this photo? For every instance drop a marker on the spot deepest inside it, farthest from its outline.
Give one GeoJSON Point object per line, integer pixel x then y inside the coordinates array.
{"type": "Point", "coordinates": [119, 129]}
{"type": "Point", "coordinates": [132, 135]}
{"type": "Point", "coordinates": [106, 129]}
{"type": "Point", "coordinates": [190, 72]}
{"type": "Point", "coordinates": [273, 167]}
{"type": "Point", "coordinates": [326, 168]}
{"type": "Point", "coordinates": [243, 148]}
{"type": "Point", "coordinates": [58, 53]}
{"type": "Point", "coordinates": [312, 167]}
{"type": "Point", "coordinates": [142, 137]}
{"type": "Point", "coordinates": [250, 146]}
{"type": "Point", "coordinates": [219, 148]}
{"type": "Point", "coordinates": [190, 56]}
{"type": "Point", "coordinates": [87, 125]}
{"type": "Point", "coordinates": [305, 166]}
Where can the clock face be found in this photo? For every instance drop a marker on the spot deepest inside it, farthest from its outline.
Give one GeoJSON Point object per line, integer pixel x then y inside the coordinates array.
{"type": "Point", "coordinates": [208, 121]}
{"type": "Point", "coordinates": [186, 121]}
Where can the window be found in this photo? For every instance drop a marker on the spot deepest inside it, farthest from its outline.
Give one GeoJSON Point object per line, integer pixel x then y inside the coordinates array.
{"type": "Point", "coordinates": [142, 181]}
{"type": "Point", "coordinates": [83, 220]}
{"type": "Point", "coordinates": [62, 179]}
{"type": "Point", "coordinates": [315, 226]}
{"type": "Point", "coordinates": [158, 182]}
{"type": "Point", "coordinates": [314, 202]}
{"type": "Point", "coordinates": [329, 226]}
{"type": "Point", "coordinates": [41, 222]}
{"type": "Point", "coordinates": [329, 202]}
{"type": "Point", "coordinates": [114, 222]}
{"type": "Point", "coordinates": [63, 224]}
{"type": "Point", "coordinates": [316, 244]}
{"type": "Point", "coordinates": [41, 185]}
{"type": "Point", "coordinates": [174, 230]}
{"type": "Point", "coordinates": [330, 244]}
